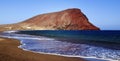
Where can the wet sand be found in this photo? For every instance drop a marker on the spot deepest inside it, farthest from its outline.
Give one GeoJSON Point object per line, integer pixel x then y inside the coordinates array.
{"type": "Point", "coordinates": [9, 51]}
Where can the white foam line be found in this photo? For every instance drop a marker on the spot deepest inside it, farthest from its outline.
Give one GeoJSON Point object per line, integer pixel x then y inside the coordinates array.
{"type": "Point", "coordinates": [43, 38]}
{"type": "Point", "coordinates": [10, 31]}
{"type": "Point", "coordinates": [84, 57]}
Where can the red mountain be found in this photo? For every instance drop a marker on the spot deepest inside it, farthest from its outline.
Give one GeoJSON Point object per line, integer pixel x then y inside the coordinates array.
{"type": "Point", "coordinates": [70, 19]}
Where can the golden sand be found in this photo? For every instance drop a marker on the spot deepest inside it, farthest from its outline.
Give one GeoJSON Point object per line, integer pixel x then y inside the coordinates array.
{"type": "Point", "coordinates": [1, 39]}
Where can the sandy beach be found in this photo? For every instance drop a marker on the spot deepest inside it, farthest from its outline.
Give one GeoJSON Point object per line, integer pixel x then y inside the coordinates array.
{"type": "Point", "coordinates": [9, 51]}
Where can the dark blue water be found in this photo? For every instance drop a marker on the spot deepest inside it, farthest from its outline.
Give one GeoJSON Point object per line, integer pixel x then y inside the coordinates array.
{"type": "Point", "coordinates": [100, 44]}
{"type": "Point", "coordinates": [106, 36]}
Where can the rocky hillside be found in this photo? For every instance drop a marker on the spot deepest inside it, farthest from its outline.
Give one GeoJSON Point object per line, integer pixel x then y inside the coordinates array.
{"type": "Point", "coordinates": [70, 19]}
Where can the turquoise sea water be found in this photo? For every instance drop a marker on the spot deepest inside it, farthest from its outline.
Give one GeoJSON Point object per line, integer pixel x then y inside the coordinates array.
{"type": "Point", "coordinates": [98, 44]}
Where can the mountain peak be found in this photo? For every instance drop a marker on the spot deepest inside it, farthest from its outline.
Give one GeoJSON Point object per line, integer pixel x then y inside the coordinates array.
{"type": "Point", "coordinates": [72, 9]}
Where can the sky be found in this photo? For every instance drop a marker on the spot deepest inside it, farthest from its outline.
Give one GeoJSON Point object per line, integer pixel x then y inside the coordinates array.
{"type": "Point", "coordinates": [102, 13]}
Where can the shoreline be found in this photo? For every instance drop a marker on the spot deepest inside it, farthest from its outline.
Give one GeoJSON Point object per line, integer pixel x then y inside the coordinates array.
{"type": "Point", "coordinates": [83, 57]}
{"type": "Point", "coordinates": [61, 55]}
{"type": "Point", "coordinates": [9, 51]}
{"type": "Point", "coordinates": [74, 56]}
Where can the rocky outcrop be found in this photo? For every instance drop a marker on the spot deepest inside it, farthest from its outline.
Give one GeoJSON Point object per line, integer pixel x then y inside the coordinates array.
{"type": "Point", "coordinates": [70, 19]}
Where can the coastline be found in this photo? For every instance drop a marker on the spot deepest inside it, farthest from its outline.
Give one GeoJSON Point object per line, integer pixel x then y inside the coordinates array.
{"type": "Point", "coordinates": [9, 51]}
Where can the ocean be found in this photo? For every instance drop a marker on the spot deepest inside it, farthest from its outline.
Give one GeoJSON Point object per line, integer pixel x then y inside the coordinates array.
{"type": "Point", "coordinates": [92, 45]}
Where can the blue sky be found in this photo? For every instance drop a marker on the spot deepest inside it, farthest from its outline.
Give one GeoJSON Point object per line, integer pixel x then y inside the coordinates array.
{"type": "Point", "coordinates": [102, 13]}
